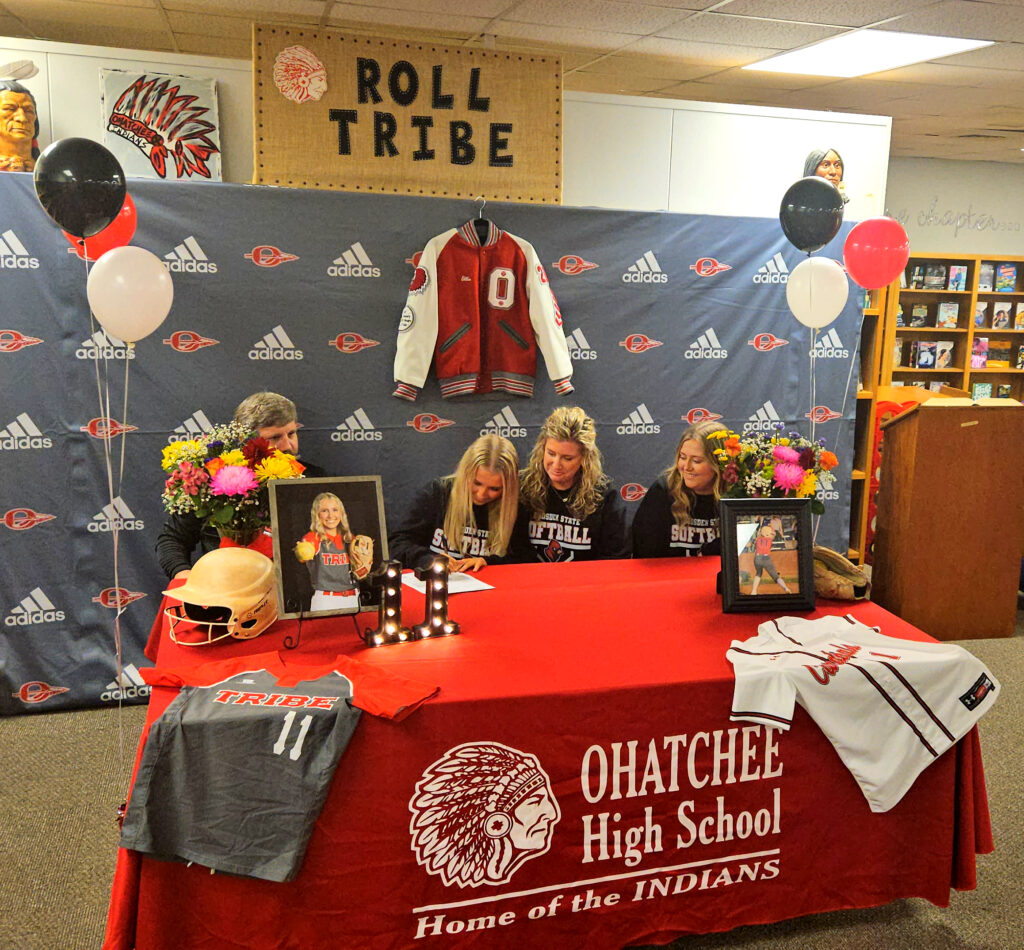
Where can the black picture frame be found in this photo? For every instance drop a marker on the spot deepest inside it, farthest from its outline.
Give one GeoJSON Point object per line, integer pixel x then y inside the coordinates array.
{"type": "Point", "coordinates": [291, 502]}
{"type": "Point", "coordinates": [780, 578]}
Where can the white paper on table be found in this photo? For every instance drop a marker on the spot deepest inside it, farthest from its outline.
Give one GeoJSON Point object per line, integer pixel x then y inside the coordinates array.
{"type": "Point", "coordinates": [458, 583]}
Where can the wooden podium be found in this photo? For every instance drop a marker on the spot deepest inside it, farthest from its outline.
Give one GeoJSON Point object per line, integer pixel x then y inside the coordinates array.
{"type": "Point", "coordinates": [950, 529]}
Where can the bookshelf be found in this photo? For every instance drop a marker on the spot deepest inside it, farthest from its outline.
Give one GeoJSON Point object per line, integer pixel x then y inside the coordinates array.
{"type": "Point", "coordinates": [987, 320]}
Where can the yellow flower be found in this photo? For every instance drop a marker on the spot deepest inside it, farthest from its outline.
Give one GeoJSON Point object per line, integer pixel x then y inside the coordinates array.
{"type": "Point", "coordinates": [808, 486]}
{"type": "Point", "coordinates": [234, 457]}
{"type": "Point", "coordinates": [718, 434]}
{"type": "Point", "coordinates": [173, 453]}
{"type": "Point", "coordinates": [278, 465]}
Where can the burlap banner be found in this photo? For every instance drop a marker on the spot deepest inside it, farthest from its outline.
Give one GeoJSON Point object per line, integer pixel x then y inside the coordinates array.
{"type": "Point", "coordinates": [372, 114]}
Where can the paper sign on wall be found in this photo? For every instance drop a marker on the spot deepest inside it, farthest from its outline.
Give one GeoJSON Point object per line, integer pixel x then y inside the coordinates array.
{"type": "Point", "coordinates": [373, 114]}
{"type": "Point", "coordinates": [161, 126]}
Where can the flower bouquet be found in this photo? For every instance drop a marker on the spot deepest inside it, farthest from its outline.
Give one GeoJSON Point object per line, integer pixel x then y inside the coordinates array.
{"type": "Point", "coordinates": [221, 477]}
{"type": "Point", "coordinates": [773, 465]}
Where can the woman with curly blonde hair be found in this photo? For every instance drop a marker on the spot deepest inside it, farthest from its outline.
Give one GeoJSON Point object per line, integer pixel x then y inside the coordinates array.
{"type": "Point", "coordinates": [575, 510]}
{"type": "Point", "coordinates": [470, 516]}
{"type": "Point", "coordinates": [678, 516]}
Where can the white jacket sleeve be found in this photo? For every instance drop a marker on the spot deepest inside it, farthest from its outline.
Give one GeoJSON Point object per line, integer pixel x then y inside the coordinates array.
{"type": "Point", "coordinates": [546, 319]}
{"type": "Point", "coordinates": [763, 692]}
{"type": "Point", "coordinates": [417, 331]}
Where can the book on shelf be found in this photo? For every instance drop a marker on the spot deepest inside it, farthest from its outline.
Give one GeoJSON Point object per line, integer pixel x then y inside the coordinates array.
{"type": "Point", "coordinates": [943, 354]}
{"type": "Point", "coordinates": [999, 354]}
{"type": "Point", "coordinates": [925, 354]}
{"type": "Point", "coordinates": [1000, 316]}
{"type": "Point", "coordinates": [936, 385]}
{"type": "Point", "coordinates": [897, 353]}
{"type": "Point", "coordinates": [979, 352]}
{"type": "Point", "coordinates": [946, 313]}
{"type": "Point", "coordinates": [911, 353]}
{"type": "Point", "coordinates": [957, 277]}
{"type": "Point", "coordinates": [917, 277]}
{"type": "Point", "coordinates": [986, 276]}
{"type": "Point", "coordinates": [981, 390]}
{"type": "Point", "coordinates": [1018, 317]}
{"type": "Point", "coordinates": [980, 313]}
{"type": "Point", "coordinates": [1006, 278]}
{"type": "Point", "coordinates": [1020, 356]}
{"type": "Point", "coordinates": [919, 315]}
{"type": "Point", "coordinates": [899, 316]}
{"type": "Point", "coordinates": [935, 277]}
{"type": "Point", "coordinates": [1004, 391]}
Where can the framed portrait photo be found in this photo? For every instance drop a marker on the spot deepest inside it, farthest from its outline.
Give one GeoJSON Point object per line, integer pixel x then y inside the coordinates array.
{"type": "Point", "coordinates": [329, 536]}
{"type": "Point", "coordinates": [767, 554]}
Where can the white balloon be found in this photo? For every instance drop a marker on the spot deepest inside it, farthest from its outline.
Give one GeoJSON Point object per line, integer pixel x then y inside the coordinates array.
{"type": "Point", "coordinates": [130, 292]}
{"type": "Point", "coordinates": [817, 290]}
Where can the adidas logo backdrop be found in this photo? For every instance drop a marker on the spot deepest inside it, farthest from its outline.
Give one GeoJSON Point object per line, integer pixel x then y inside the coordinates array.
{"type": "Point", "coordinates": [277, 327]}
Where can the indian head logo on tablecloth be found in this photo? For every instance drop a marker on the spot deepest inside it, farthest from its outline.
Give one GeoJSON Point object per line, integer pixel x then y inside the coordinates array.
{"type": "Point", "coordinates": [480, 812]}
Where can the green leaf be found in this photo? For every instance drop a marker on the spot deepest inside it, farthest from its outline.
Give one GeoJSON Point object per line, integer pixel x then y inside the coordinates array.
{"type": "Point", "coordinates": [817, 506]}
{"type": "Point", "coordinates": [224, 515]}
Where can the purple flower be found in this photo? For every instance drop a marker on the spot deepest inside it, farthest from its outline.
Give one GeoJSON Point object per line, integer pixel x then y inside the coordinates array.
{"type": "Point", "coordinates": [807, 458]}
{"type": "Point", "coordinates": [783, 453]}
{"type": "Point", "coordinates": [233, 480]}
{"type": "Point", "coordinates": [730, 475]}
{"type": "Point", "coordinates": [788, 476]}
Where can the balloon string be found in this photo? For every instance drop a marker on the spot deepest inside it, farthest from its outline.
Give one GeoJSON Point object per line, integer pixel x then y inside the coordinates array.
{"type": "Point", "coordinates": [103, 395]}
{"type": "Point", "coordinates": [814, 394]}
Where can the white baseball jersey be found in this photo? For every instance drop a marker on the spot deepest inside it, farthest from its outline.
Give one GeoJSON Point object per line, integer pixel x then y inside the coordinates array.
{"type": "Point", "coordinates": [889, 707]}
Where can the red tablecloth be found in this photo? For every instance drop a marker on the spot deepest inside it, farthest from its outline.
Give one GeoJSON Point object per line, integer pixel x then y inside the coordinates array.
{"type": "Point", "coordinates": [669, 819]}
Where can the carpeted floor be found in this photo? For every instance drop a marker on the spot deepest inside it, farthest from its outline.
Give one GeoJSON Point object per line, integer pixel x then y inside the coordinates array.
{"type": "Point", "coordinates": [62, 776]}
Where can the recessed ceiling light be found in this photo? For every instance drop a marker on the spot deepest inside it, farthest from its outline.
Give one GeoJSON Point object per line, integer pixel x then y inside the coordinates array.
{"type": "Point", "coordinates": [865, 51]}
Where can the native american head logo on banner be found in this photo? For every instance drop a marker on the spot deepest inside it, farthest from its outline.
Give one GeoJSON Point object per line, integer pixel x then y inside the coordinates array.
{"type": "Point", "coordinates": [162, 126]}
{"type": "Point", "coordinates": [481, 811]}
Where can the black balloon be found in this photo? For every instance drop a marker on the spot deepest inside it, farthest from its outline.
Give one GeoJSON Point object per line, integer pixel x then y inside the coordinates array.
{"type": "Point", "coordinates": [80, 185]}
{"type": "Point", "coordinates": [811, 212]}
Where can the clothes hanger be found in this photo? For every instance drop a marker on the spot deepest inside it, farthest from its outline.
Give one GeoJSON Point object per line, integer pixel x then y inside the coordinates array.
{"type": "Point", "coordinates": [480, 223]}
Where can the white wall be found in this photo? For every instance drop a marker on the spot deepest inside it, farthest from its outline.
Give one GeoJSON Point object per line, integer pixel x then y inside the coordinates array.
{"type": "Point", "coordinates": [67, 92]}
{"type": "Point", "coordinates": [618, 151]}
{"type": "Point", "coordinates": [711, 158]}
{"type": "Point", "coordinates": [958, 207]}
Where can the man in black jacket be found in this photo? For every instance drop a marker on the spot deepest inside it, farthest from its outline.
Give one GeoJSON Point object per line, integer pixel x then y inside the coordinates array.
{"type": "Point", "coordinates": [273, 418]}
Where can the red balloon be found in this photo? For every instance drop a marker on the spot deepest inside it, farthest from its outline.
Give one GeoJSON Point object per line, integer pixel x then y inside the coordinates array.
{"type": "Point", "coordinates": [876, 251]}
{"type": "Point", "coordinates": [116, 234]}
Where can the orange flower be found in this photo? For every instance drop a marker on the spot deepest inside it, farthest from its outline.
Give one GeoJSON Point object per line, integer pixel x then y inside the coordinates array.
{"type": "Point", "coordinates": [828, 460]}
{"type": "Point", "coordinates": [213, 466]}
{"type": "Point", "coordinates": [732, 446]}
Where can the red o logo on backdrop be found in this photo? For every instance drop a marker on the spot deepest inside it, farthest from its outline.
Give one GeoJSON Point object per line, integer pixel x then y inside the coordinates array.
{"type": "Point", "coordinates": [766, 341]}
{"type": "Point", "coordinates": [21, 519]}
{"type": "Point", "coordinates": [708, 267]}
{"type": "Point", "coordinates": [428, 422]}
{"type": "Point", "coordinates": [822, 414]}
{"type": "Point", "coordinates": [573, 264]}
{"type": "Point", "coordinates": [632, 491]}
{"type": "Point", "coordinates": [38, 692]}
{"type": "Point", "coordinates": [11, 341]}
{"type": "Point", "coordinates": [114, 597]}
{"type": "Point", "coordinates": [188, 341]}
{"type": "Point", "coordinates": [103, 427]}
{"type": "Point", "coordinates": [699, 415]}
{"type": "Point", "coordinates": [351, 342]}
{"type": "Point", "coordinates": [415, 259]}
{"type": "Point", "coordinates": [638, 343]}
{"type": "Point", "coordinates": [266, 255]}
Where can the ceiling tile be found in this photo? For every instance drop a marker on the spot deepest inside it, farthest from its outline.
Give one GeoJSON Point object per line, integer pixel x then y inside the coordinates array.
{"type": "Point", "coordinates": [748, 31]}
{"type": "Point", "coordinates": [635, 19]}
{"type": "Point", "coordinates": [835, 12]}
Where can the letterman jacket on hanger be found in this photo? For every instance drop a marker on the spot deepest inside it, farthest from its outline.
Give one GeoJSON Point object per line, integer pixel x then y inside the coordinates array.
{"type": "Point", "coordinates": [480, 310]}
